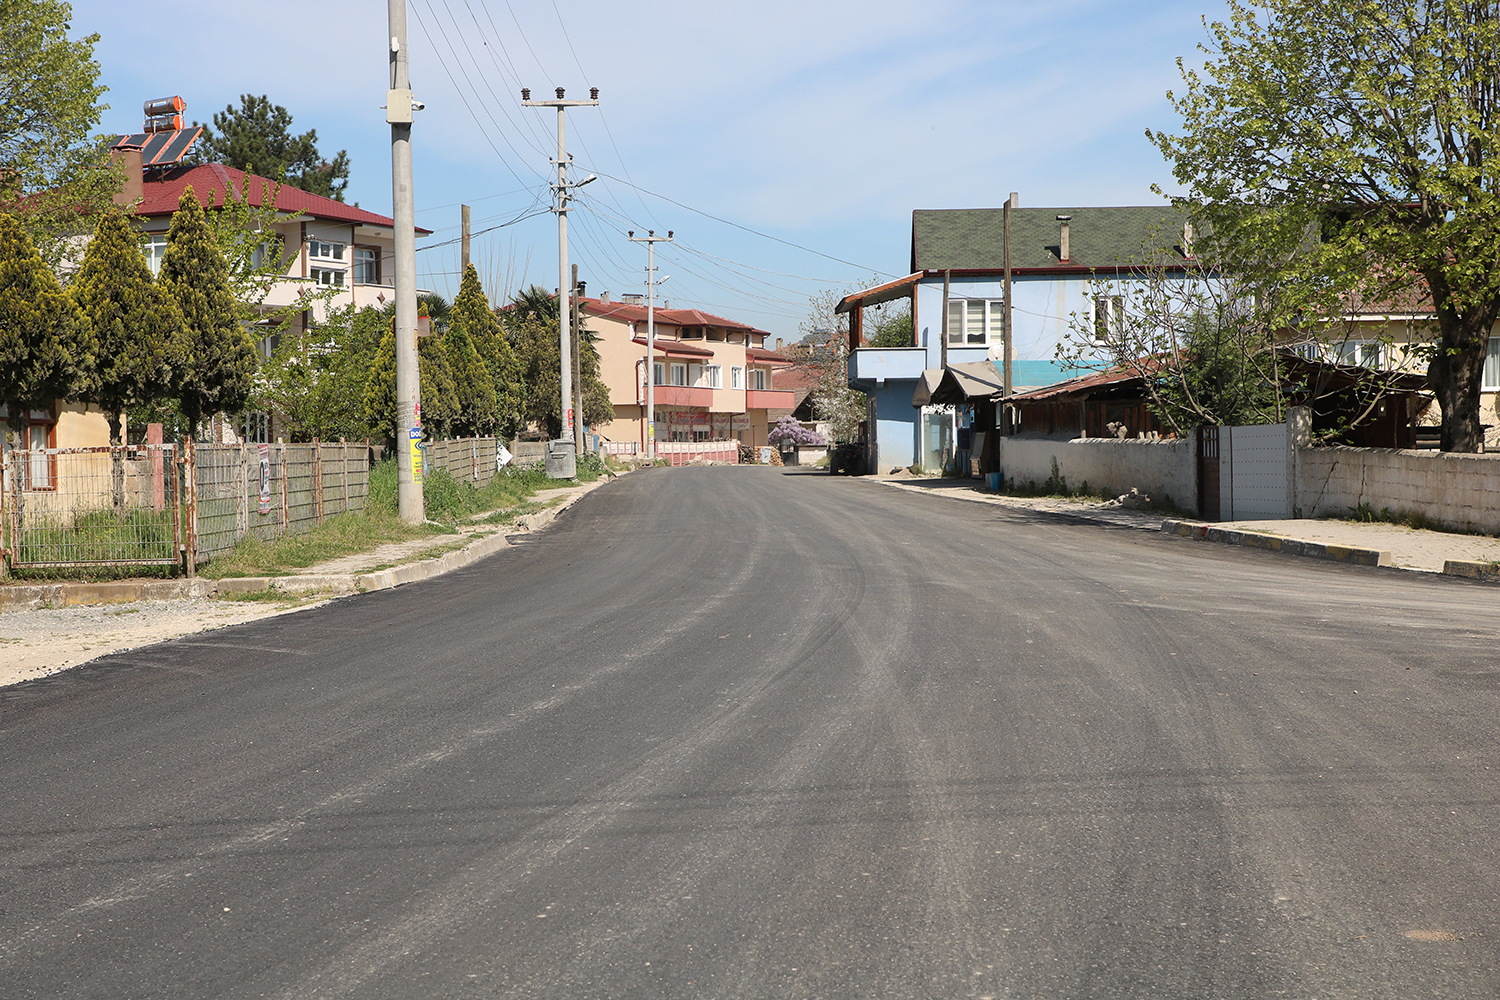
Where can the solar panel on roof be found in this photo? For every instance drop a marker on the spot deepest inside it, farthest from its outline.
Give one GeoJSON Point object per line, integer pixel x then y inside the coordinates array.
{"type": "Point", "coordinates": [160, 149]}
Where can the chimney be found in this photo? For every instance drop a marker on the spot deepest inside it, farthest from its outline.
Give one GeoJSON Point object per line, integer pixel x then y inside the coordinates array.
{"type": "Point", "coordinates": [778, 343]}
{"type": "Point", "coordinates": [604, 296]}
{"type": "Point", "coordinates": [1063, 252]}
{"type": "Point", "coordinates": [1187, 240]}
{"type": "Point", "coordinates": [1015, 200]}
{"type": "Point", "coordinates": [133, 189]}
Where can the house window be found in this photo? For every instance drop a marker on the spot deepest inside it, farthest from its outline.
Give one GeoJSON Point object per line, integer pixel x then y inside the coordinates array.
{"type": "Point", "coordinates": [366, 266]}
{"type": "Point", "coordinates": [1109, 318]}
{"type": "Point", "coordinates": [758, 379]}
{"type": "Point", "coordinates": [679, 375]}
{"type": "Point", "coordinates": [36, 437]}
{"type": "Point", "coordinates": [155, 250]}
{"type": "Point", "coordinates": [736, 377]}
{"type": "Point", "coordinates": [972, 322]}
{"type": "Point", "coordinates": [715, 376]}
{"type": "Point", "coordinates": [1492, 366]}
{"type": "Point", "coordinates": [1365, 354]}
{"type": "Point", "coordinates": [255, 427]}
{"type": "Point", "coordinates": [695, 374]}
{"type": "Point", "coordinates": [323, 250]}
{"type": "Point", "coordinates": [327, 276]}
{"type": "Point", "coordinates": [658, 373]}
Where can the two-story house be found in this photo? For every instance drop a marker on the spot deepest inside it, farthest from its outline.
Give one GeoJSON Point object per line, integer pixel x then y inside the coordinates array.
{"type": "Point", "coordinates": [712, 377]}
{"type": "Point", "coordinates": [1058, 258]}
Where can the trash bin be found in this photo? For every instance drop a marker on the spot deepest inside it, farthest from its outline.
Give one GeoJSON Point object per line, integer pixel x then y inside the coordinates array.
{"type": "Point", "coordinates": [562, 461]}
{"type": "Point", "coordinates": [992, 482]}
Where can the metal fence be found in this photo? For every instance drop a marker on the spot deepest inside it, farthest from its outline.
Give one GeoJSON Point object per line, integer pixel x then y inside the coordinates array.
{"type": "Point", "coordinates": [271, 490]}
{"type": "Point", "coordinates": [683, 452]}
{"type": "Point", "coordinates": [91, 506]}
{"type": "Point", "coordinates": [620, 447]}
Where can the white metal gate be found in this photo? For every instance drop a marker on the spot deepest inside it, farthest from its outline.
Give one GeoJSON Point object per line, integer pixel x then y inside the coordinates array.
{"type": "Point", "coordinates": [1253, 473]}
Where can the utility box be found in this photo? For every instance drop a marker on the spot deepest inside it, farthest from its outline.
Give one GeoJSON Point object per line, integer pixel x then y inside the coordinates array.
{"type": "Point", "coordinates": [562, 461]}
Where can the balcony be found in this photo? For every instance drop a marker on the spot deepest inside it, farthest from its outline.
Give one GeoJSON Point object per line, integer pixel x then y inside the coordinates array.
{"type": "Point", "coordinates": [769, 399]}
{"type": "Point", "coordinates": [682, 395]}
{"type": "Point", "coordinates": [872, 364]}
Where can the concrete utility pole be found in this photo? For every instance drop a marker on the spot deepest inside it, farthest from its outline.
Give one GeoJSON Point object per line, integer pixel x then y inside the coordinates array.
{"type": "Point", "coordinates": [651, 239]}
{"type": "Point", "coordinates": [564, 192]}
{"type": "Point", "coordinates": [1013, 202]}
{"type": "Point", "coordinates": [576, 290]}
{"type": "Point", "coordinates": [398, 113]}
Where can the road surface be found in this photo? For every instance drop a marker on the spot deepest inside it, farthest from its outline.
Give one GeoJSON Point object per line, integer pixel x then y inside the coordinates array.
{"type": "Point", "coordinates": [734, 732]}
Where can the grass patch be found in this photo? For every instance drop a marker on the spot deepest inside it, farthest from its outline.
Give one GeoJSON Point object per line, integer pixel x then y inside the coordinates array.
{"type": "Point", "coordinates": [1365, 513]}
{"type": "Point", "coordinates": [340, 535]}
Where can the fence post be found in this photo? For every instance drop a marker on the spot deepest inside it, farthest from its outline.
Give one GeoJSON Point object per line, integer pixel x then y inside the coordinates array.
{"type": "Point", "coordinates": [286, 522]}
{"type": "Point", "coordinates": [5, 512]}
{"type": "Point", "coordinates": [242, 496]}
{"type": "Point", "coordinates": [317, 480]}
{"type": "Point", "coordinates": [344, 471]}
{"type": "Point", "coordinates": [190, 508]}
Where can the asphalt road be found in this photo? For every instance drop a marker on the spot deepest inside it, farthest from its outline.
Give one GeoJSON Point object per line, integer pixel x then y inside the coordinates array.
{"type": "Point", "coordinates": [729, 732]}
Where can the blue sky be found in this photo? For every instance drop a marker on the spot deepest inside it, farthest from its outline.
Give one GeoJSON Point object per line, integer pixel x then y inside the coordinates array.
{"type": "Point", "coordinates": [817, 125]}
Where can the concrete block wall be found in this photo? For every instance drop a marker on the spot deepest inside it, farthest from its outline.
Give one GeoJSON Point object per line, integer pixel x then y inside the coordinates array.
{"type": "Point", "coordinates": [1161, 469]}
{"type": "Point", "coordinates": [1458, 491]}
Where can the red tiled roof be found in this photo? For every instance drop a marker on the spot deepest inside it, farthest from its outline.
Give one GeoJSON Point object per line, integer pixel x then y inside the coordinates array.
{"type": "Point", "coordinates": [631, 313]}
{"type": "Point", "coordinates": [761, 354]}
{"type": "Point", "coordinates": [677, 347]}
{"type": "Point", "coordinates": [163, 191]}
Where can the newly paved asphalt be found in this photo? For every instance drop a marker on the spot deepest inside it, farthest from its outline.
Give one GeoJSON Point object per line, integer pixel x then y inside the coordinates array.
{"type": "Point", "coordinates": [730, 732]}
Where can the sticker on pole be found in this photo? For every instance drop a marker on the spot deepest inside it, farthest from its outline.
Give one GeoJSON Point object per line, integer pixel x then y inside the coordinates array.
{"type": "Point", "coordinates": [414, 439]}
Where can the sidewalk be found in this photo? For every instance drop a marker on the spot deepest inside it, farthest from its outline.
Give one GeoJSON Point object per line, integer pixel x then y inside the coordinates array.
{"type": "Point", "coordinates": [49, 627]}
{"type": "Point", "coordinates": [1408, 548]}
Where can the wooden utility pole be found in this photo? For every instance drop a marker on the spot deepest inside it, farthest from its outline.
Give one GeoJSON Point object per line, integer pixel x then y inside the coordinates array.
{"type": "Point", "coordinates": [578, 443]}
{"type": "Point", "coordinates": [1005, 376]}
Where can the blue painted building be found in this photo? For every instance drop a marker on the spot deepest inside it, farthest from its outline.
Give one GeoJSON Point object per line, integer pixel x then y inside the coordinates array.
{"type": "Point", "coordinates": [1058, 258]}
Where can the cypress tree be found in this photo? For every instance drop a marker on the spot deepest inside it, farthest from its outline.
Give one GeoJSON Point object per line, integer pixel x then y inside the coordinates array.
{"type": "Point", "coordinates": [133, 329]}
{"type": "Point", "coordinates": [439, 401]}
{"type": "Point", "coordinates": [472, 314]}
{"type": "Point", "coordinates": [380, 390]}
{"type": "Point", "coordinates": [39, 350]}
{"type": "Point", "coordinates": [472, 386]}
{"type": "Point", "coordinates": [220, 360]}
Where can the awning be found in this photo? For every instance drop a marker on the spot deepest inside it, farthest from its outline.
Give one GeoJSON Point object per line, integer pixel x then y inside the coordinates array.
{"type": "Point", "coordinates": [969, 381]}
{"type": "Point", "coordinates": [926, 386]}
{"type": "Point", "coordinates": [888, 292]}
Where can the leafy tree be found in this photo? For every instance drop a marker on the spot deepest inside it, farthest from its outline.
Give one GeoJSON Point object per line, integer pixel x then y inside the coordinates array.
{"type": "Point", "coordinates": [1351, 143]}
{"type": "Point", "coordinates": [893, 328]}
{"type": "Point", "coordinates": [248, 240]}
{"type": "Point", "coordinates": [826, 333]}
{"type": "Point", "coordinates": [316, 384]}
{"type": "Point", "coordinates": [257, 137]}
{"type": "Point", "coordinates": [39, 355]}
{"type": "Point", "coordinates": [133, 329]}
{"type": "Point", "coordinates": [54, 176]}
{"type": "Point", "coordinates": [219, 354]}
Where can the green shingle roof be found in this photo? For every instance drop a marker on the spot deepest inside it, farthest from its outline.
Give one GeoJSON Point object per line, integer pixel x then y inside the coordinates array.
{"type": "Point", "coordinates": [974, 238]}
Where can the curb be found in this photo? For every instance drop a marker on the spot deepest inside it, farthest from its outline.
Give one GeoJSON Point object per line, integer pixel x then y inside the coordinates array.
{"type": "Point", "coordinates": [1278, 543]}
{"type": "Point", "coordinates": [30, 597]}
{"type": "Point", "coordinates": [1485, 572]}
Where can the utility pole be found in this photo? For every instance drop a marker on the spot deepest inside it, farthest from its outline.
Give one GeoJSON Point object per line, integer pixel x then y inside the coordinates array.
{"type": "Point", "coordinates": [464, 209]}
{"type": "Point", "coordinates": [1011, 203]}
{"type": "Point", "coordinates": [651, 239]}
{"type": "Point", "coordinates": [398, 113]}
{"type": "Point", "coordinates": [564, 192]}
{"type": "Point", "coordinates": [577, 291]}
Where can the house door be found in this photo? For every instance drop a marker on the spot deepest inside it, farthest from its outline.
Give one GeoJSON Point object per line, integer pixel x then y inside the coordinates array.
{"type": "Point", "coordinates": [1208, 473]}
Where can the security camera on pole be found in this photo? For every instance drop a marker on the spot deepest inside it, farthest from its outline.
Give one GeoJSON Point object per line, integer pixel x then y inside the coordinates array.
{"type": "Point", "coordinates": [563, 192]}
{"type": "Point", "coordinates": [651, 239]}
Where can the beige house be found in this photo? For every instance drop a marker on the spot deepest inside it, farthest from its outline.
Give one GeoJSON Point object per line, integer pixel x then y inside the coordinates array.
{"type": "Point", "coordinates": [712, 376]}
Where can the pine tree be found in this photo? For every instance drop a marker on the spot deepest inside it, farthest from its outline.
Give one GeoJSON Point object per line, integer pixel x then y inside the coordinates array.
{"type": "Point", "coordinates": [380, 390]}
{"type": "Point", "coordinates": [133, 329]}
{"type": "Point", "coordinates": [472, 314]}
{"type": "Point", "coordinates": [439, 398]}
{"type": "Point", "coordinates": [220, 361]}
{"type": "Point", "coordinates": [39, 349]}
{"type": "Point", "coordinates": [439, 401]}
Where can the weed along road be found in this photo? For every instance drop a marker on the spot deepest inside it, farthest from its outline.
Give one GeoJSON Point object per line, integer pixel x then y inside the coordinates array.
{"type": "Point", "coordinates": [739, 732]}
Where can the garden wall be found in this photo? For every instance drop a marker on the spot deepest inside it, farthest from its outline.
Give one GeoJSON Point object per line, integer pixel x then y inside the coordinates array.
{"type": "Point", "coordinates": [1458, 491]}
{"type": "Point", "coordinates": [1162, 469]}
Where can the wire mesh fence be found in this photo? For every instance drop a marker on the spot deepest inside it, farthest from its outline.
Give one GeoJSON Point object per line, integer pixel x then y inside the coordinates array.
{"type": "Point", "coordinates": [471, 460]}
{"type": "Point", "coordinates": [271, 490]}
{"type": "Point", "coordinates": [115, 505]}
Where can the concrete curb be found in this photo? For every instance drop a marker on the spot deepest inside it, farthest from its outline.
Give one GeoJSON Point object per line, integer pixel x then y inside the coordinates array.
{"type": "Point", "coordinates": [29, 597]}
{"type": "Point", "coordinates": [1486, 572]}
{"type": "Point", "coordinates": [1277, 543]}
